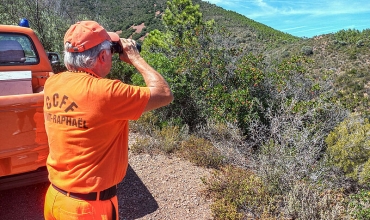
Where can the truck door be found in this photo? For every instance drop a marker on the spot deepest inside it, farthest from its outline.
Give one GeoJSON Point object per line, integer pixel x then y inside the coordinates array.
{"type": "Point", "coordinates": [23, 141]}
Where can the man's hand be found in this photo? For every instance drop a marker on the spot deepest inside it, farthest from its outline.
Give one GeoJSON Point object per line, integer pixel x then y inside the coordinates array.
{"type": "Point", "coordinates": [160, 92]}
{"type": "Point", "coordinates": [130, 52]}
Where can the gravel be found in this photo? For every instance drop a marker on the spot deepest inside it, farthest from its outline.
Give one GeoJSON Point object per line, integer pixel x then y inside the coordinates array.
{"type": "Point", "coordinates": [155, 187]}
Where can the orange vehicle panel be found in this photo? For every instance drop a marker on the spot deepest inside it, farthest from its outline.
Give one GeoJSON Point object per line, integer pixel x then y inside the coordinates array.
{"type": "Point", "coordinates": [25, 149]}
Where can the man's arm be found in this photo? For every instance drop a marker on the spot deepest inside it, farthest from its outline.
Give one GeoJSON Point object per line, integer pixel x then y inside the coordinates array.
{"type": "Point", "coordinates": [160, 92]}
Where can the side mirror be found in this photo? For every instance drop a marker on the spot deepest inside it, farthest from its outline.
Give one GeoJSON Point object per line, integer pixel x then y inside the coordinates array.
{"type": "Point", "coordinates": [53, 57]}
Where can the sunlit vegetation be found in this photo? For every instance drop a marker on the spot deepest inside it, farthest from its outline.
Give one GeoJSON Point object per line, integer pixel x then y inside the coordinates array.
{"type": "Point", "coordinates": [282, 121]}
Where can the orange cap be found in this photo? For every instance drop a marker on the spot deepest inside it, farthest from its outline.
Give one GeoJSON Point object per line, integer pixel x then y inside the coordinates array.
{"type": "Point", "coordinates": [87, 34]}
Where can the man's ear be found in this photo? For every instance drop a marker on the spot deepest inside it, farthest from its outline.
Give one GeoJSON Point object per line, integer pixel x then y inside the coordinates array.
{"type": "Point", "coordinates": [102, 55]}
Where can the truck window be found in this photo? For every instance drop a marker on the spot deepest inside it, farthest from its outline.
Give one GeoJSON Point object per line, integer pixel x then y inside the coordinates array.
{"type": "Point", "coordinates": [17, 49]}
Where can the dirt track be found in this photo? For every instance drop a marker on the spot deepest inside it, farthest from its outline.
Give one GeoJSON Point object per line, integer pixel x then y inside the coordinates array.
{"type": "Point", "coordinates": [155, 187]}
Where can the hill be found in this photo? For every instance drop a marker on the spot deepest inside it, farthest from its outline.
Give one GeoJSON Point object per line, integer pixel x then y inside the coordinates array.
{"type": "Point", "coordinates": [124, 17]}
{"type": "Point", "coordinates": [245, 30]}
{"type": "Point", "coordinates": [343, 53]}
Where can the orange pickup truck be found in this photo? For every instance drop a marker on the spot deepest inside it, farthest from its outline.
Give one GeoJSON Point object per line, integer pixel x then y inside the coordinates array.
{"type": "Point", "coordinates": [24, 68]}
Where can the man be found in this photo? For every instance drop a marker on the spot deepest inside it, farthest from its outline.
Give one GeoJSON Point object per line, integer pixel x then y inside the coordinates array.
{"type": "Point", "coordinates": [86, 120]}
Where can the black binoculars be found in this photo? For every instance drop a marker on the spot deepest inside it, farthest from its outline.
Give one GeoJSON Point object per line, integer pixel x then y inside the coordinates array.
{"type": "Point", "coordinates": [116, 47]}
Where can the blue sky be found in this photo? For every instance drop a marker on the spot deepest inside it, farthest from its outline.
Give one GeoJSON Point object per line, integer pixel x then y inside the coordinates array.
{"type": "Point", "coordinates": [303, 18]}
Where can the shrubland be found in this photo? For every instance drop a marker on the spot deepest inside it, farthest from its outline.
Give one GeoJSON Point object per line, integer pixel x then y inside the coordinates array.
{"type": "Point", "coordinates": [282, 121]}
{"type": "Point", "coordinates": [274, 124]}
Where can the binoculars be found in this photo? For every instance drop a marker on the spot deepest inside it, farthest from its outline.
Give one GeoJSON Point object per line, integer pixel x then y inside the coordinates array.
{"type": "Point", "coordinates": [116, 47]}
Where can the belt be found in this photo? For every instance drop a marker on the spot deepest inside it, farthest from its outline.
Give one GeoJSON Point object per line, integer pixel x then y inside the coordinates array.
{"type": "Point", "coordinates": [103, 195]}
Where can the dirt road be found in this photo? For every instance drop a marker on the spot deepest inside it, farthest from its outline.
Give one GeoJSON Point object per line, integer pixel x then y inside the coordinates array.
{"type": "Point", "coordinates": [155, 187]}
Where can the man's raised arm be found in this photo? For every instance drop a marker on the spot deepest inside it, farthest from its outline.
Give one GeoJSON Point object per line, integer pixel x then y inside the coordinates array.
{"type": "Point", "coordinates": [160, 92]}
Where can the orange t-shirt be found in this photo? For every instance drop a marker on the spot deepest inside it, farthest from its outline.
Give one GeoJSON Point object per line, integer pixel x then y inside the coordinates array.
{"type": "Point", "coordinates": [86, 120]}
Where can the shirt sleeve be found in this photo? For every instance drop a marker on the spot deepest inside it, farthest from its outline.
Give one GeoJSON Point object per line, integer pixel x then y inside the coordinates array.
{"type": "Point", "coordinates": [123, 101]}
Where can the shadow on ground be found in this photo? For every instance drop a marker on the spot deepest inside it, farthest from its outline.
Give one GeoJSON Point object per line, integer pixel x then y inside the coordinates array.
{"type": "Point", "coordinates": [26, 203]}
{"type": "Point", "coordinates": [135, 200]}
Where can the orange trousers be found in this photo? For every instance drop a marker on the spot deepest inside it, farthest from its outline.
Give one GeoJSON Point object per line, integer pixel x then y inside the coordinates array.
{"type": "Point", "coordinates": [61, 207]}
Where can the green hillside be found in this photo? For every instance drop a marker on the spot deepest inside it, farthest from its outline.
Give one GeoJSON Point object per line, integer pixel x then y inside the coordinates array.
{"type": "Point", "coordinates": [245, 30]}
{"type": "Point", "coordinates": [122, 16]}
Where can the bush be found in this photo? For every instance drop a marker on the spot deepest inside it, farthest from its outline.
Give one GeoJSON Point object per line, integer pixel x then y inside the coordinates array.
{"type": "Point", "coordinates": [237, 194]}
{"type": "Point", "coordinates": [285, 54]}
{"type": "Point", "coordinates": [290, 146]}
{"type": "Point", "coordinates": [155, 139]}
{"type": "Point", "coordinates": [142, 145]}
{"type": "Point", "coordinates": [360, 43]}
{"type": "Point", "coordinates": [307, 50]}
{"type": "Point", "coordinates": [228, 139]}
{"type": "Point", "coordinates": [146, 124]}
{"type": "Point", "coordinates": [353, 89]}
{"type": "Point", "coordinates": [364, 176]}
{"type": "Point", "coordinates": [201, 152]}
{"type": "Point", "coordinates": [168, 138]}
{"type": "Point", "coordinates": [306, 201]}
{"type": "Point", "coordinates": [348, 146]}
{"type": "Point", "coordinates": [360, 205]}
{"type": "Point", "coordinates": [352, 55]}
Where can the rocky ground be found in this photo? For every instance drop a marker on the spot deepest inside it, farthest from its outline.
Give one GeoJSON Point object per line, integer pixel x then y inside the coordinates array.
{"type": "Point", "coordinates": [155, 187]}
{"type": "Point", "coordinates": [163, 188]}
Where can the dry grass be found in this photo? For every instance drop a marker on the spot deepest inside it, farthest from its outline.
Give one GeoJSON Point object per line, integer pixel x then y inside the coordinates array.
{"type": "Point", "coordinates": [201, 152]}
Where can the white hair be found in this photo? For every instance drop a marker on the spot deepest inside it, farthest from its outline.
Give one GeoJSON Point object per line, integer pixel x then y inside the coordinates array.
{"type": "Point", "coordinates": [85, 59]}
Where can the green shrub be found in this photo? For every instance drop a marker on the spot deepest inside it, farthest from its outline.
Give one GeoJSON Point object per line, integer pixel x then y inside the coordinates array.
{"type": "Point", "coordinates": [165, 139]}
{"type": "Point", "coordinates": [359, 205]}
{"type": "Point", "coordinates": [352, 90]}
{"type": "Point", "coordinates": [307, 50]}
{"type": "Point", "coordinates": [352, 55]}
{"type": "Point", "coordinates": [228, 139]}
{"type": "Point", "coordinates": [168, 138]}
{"type": "Point", "coordinates": [201, 152]}
{"type": "Point", "coordinates": [146, 124]}
{"type": "Point", "coordinates": [237, 194]}
{"type": "Point", "coordinates": [360, 43]}
{"type": "Point", "coordinates": [364, 176]}
{"type": "Point", "coordinates": [142, 145]}
{"type": "Point", "coordinates": [348, 146]}
{"type": "Point", "coordinates": [285, 54]}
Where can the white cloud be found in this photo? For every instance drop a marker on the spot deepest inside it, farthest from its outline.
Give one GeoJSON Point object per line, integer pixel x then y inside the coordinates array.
{"type": "Point", "coordinates": [263, 8]}
{"type": "Point", "coordinates": [293, 28]}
